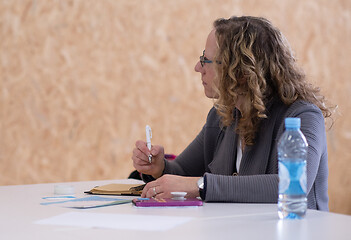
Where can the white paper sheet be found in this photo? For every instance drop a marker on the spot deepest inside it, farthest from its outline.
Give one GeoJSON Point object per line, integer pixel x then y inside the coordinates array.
{"type": "Point", "coordinates": [116, 221]}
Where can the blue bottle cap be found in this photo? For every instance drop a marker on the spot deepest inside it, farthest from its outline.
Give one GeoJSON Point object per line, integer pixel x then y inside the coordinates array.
{"type": "Point", "coordinates": [292, 122]}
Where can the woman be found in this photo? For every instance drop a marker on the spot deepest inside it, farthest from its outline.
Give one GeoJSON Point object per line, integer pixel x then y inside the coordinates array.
{"type": "Point", "coordinates": [248, 68]}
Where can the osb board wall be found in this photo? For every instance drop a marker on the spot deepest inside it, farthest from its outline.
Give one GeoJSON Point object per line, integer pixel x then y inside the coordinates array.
{"type": "Point", "coordinates": [81, 79]}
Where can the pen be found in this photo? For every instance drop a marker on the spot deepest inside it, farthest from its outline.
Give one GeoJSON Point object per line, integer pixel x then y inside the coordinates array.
{"type": "Point", "coordinates": [148, 140]}
{"type": "Point", "coordinates": [58, 197]}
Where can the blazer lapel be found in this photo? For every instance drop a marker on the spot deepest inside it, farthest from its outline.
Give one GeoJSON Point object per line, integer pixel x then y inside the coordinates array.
{"type": "Point", "coordinates": [255, 158]}
{"type": "Point", "coordinates": [225, 156]}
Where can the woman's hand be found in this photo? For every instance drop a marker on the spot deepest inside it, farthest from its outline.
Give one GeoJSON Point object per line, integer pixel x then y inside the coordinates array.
{"type": "Point", "coordinates": [163, 186]}
{"type": "Point", "coordinates": [141, 159]}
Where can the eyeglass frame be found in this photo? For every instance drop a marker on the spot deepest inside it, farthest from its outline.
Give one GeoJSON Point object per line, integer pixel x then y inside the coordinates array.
{"type": "Point", "coordinates": [204, 60]}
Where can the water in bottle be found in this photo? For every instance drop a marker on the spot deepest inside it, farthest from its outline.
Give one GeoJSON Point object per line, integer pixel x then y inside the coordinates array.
{"type": "Point", "coordinates": [292, 155]}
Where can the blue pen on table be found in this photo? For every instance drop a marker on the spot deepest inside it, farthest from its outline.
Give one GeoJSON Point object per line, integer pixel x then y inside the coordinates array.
{"type": "Point", "coordinates": [148, 140]}
{"type": "Point", "coordinates": [140, 199]}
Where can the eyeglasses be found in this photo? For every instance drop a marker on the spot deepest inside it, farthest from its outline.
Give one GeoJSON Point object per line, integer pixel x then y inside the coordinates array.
{"type": "Point", "coordinates": [204, 60]}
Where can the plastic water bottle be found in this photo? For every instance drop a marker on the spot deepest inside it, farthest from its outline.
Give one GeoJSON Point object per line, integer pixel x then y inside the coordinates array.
{"type": "Point", "coordinates": [292, 155]}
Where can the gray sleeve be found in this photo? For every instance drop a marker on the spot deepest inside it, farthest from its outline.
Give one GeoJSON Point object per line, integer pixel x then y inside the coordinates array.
{"type": "Point", "coordinates": [248, 189]}
{"type": "Point", "coordinates": [188, 163]}
{"type": "Point", "coordinates": [191, 161]}
{"type": "Point", "coordinates": [313, 127]}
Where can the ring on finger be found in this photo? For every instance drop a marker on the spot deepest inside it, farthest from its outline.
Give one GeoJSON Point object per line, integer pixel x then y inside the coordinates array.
{"type": "Point", "coordinates": [154, 189]}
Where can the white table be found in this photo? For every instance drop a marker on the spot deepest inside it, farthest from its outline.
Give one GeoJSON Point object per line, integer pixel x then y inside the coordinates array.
{"type": "Point", "coordinates": [20, 208]}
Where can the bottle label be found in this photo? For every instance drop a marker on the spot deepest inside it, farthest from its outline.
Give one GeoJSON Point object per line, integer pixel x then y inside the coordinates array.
{"type": "Point", "coordinates": [292, 177]}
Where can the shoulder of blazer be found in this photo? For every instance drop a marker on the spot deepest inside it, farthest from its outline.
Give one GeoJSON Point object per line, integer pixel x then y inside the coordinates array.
{"type": "Point", "coordinates": [213, 119]}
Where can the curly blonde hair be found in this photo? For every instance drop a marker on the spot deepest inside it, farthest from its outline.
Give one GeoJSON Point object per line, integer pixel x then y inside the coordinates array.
{"type": "Point", "coordinates": [258, 64]}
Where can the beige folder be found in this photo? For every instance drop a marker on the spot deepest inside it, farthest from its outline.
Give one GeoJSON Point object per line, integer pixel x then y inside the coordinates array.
{"type": "Point", "coordinates": [118, 189]}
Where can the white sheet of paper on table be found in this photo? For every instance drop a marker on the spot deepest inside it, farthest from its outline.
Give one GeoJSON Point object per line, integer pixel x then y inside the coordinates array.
{"type": "Point", "coordinates": [116, 221]}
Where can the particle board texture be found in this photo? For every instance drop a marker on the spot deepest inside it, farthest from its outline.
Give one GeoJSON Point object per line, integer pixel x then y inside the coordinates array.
{"type": "Point", "coordinates": [80, 79]}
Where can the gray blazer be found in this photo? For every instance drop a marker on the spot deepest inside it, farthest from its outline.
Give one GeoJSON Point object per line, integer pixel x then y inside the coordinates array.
{"type": "Point", "coordinates": [213, 154]}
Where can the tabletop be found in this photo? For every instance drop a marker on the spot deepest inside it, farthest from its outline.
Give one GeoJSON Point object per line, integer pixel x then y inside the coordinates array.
{"type": "Point", "coordinates": [22, 216]}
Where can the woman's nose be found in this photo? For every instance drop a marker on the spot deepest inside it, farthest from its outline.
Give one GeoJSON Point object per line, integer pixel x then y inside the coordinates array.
{"type": "Point", "coordinates": [198, 67]}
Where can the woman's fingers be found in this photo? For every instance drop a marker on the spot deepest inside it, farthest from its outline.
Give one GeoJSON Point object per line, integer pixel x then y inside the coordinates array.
{"type": "Point", "coordinates": [141, 160]}
{"type": "Point", "coordinates": [152, 189]}
{"type": "Point", "coordinates": [163, 186]}
{"type": "Point", "coordinates": [139, 157]}
{"type": "Point", "coordinates": [141, 145]}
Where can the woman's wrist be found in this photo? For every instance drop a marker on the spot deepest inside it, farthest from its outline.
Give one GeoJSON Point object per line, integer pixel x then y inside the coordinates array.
{"type": "Point", "coordinates": [161, 171]}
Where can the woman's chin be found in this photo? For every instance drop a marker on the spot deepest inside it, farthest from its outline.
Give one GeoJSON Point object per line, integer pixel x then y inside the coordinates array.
{"type": "Point", "coordinates": [210, 94]}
